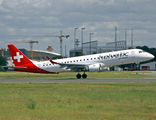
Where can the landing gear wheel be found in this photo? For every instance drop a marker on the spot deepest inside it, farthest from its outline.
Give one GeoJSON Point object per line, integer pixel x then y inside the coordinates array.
{"type": "Point", "coordinates": [84, 76]}
{"type": "Point", "coordinates": [78, 76]}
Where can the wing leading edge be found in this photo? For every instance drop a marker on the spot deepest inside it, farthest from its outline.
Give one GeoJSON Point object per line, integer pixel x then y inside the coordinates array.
{"type": "Point", "coordinates": [73, 67]}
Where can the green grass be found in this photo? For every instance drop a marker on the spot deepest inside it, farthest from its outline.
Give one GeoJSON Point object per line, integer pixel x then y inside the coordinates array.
{"type": "Point", "coordinates": [72, 75]}
{"type": "Point", "coordinates": [78, 101]}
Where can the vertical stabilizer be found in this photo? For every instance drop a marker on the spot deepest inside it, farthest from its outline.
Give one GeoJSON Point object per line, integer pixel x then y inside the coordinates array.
{"type": "Point", "coordinates": [17, 56]}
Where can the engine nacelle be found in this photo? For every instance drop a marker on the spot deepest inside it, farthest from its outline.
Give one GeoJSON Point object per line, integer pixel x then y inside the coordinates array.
{"type": "Point", "coordinates": [95, 67]}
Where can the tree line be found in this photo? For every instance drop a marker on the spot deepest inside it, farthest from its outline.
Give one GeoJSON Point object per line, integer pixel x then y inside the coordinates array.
{"type": "Point", "coordinates": [3, 62]}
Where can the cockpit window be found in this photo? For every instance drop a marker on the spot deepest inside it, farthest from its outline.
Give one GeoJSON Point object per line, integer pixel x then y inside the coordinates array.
{"type": "Point", "coordinates": [140, 51]}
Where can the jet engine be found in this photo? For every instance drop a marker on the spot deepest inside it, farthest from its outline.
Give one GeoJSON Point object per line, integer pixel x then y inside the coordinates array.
{"type": "Point", "coordinates": [95, 67]}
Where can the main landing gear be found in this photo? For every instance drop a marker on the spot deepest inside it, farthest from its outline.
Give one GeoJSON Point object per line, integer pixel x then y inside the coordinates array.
{"type": "Point", "coordinates": [84, 76]}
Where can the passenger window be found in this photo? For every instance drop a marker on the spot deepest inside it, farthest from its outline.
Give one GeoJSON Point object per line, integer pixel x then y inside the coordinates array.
{"type": "Point", "coordinates": [83, 59]}
{"type": "Point", "coordinates": [77, 60]}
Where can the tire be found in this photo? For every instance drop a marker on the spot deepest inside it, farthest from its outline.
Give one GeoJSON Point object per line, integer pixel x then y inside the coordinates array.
{"type": "Point", "coordinates": [78, 76]}
{"type": "Point", "coordinates": [84, 76]}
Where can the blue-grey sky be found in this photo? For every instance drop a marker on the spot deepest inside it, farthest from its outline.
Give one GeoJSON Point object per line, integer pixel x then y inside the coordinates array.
{"type": "Point", "coordinates": [22, 19]}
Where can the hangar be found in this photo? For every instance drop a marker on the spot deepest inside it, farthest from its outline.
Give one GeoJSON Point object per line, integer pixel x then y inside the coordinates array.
{"type": "Point", "coordinates": [148, 66]}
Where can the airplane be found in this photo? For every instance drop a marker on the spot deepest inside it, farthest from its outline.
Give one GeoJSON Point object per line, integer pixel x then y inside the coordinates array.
{"type": "Point", "coordinates": [91, 63]}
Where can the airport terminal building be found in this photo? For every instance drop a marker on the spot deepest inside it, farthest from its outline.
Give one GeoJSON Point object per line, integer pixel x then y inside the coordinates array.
{"type": "Point", "coordinates": [38, 55]}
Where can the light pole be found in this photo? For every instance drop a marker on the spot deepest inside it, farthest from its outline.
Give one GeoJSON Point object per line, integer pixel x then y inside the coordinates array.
{"type": "Point", "coordinates": [125, 38]}
{"type": "Point", "coordinates": [82, 39]}
{"type": "Point", "coordinates": [115, 38]}
{"type": "Point", "coordinates": [75, 37]}
{"type": "Point", "coordinates": [90, 41]}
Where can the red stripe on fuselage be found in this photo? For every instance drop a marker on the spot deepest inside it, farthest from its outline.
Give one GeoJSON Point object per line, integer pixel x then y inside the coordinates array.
{"type": "Point", "coordinates": [34, 69]}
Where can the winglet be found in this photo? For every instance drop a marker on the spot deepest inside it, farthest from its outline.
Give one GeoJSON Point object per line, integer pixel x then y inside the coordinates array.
{"type": "Point", "coordinates": [51, 60]}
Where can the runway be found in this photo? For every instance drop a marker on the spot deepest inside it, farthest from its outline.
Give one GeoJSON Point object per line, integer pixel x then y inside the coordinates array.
{"type": "Point", "coordinates": [122, 80]}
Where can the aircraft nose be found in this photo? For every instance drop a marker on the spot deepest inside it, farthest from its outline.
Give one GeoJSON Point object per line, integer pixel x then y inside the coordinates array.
{"type": "Point", "coordinates": [150, 56]}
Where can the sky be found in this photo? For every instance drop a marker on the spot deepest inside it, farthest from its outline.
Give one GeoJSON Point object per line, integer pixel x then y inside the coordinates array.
{"type": "Point", "coordinates": [22, 19]}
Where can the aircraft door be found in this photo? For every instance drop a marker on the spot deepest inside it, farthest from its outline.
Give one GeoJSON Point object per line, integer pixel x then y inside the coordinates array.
{"type": "Point", "coordinates": [133, 54]}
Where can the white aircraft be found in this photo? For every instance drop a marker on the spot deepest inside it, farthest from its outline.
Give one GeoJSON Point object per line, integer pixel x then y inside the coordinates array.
{"type": "Point", "coordinates": [91, 63]}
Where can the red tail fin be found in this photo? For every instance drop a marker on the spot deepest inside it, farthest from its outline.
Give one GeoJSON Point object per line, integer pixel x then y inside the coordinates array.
{"type": "Point", "coordinates": [17, 56]}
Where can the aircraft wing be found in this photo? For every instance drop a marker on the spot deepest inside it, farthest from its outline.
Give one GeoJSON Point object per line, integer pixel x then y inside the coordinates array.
{"type": "Point", "coordinates": [73, 67]}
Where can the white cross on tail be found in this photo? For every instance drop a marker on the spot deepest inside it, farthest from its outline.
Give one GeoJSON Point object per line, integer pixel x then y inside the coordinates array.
{"type": "Point", "coordinates": [18, 57]}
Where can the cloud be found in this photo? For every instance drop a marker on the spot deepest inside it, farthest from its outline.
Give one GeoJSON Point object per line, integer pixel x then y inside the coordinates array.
{"type": "Point", "coordinates": [21, 19]}
{"type": "Point", "coordinates": [1, 1]}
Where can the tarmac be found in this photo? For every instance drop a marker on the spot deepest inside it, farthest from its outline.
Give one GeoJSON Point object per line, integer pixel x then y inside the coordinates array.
{"type": "Point", "coordinates": [146, 80]}
{"type": "Point", "coordinates": [107, 80]}
{"type": "Point", "coordinates": [152, 73]}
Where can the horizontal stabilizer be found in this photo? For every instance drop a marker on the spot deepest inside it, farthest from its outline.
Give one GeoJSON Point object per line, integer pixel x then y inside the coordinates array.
{"type": "Point", "coordinates": [14, 67]}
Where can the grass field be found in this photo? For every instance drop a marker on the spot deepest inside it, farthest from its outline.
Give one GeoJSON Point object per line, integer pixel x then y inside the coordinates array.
{"type": "Point", "coordinates": [72, 75]}
{"type": "Point", "coordinates": [78, 101]}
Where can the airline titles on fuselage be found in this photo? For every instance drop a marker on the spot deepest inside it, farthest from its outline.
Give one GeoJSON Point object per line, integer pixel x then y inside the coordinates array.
{"type": "Point", "coordinates": [121, 55]}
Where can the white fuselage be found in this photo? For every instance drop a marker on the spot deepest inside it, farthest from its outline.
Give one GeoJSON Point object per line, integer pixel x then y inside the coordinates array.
{"type": "Point", "coordinates": [104, 59]}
